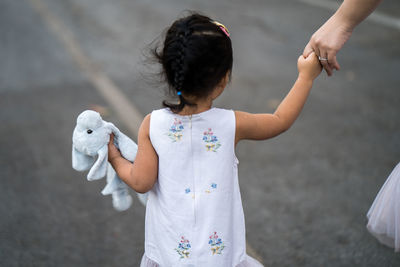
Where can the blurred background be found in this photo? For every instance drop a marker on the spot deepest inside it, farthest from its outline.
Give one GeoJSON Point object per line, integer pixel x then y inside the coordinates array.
{"type": "Point", "coordinates": [305, 193]}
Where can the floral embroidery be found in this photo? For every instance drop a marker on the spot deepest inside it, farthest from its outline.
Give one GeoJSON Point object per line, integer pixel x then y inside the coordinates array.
{"type": "Point", "coordinates": [216, 244]}
{"type": "Point", "coordinates": [212, 187]}
{"type": "Point", "coordinates": [187, 191]}
{"type": "Point", "coordinates": [175, 132]}
{"type": "Point", "coordinates": [183, 248]}
{"type": "Point", "coordinates": [212, 143]}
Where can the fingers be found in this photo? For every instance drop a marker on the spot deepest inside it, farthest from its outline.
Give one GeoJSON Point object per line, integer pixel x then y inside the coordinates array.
{"type": "Point", "coordinates": [327, 57]}
{"type": "Point", "coordinates": [311, 57]}
{"type": "Point", "coordinates": [308, 50]}
{"type": "Point", "coordinates": [312, 54]}
{"type": "Point", "coordinates": [111, 144]}
{"type": "Point", "coordinates": [113, 151]}
{"type": "Point", "coordinates": [324, 60]}
{"type": "Point", "coordinates": [300, 59]}
{"type": "Point", "coordinates": [333, 62]}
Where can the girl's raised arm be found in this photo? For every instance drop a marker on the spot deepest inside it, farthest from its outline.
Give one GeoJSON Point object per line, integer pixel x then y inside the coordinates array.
{"type": "Point", "coordinates": [264, 126]}
{"type": "Point", "coordinates": [142, 173]}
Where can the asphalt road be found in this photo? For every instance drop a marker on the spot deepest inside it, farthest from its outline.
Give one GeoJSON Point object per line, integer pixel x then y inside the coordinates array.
{"type": "Point", "coordinates": [305, 193]}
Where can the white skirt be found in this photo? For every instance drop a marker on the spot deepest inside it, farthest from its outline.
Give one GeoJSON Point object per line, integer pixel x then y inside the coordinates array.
{"type": "Point", "coordinates": [249, 262]}
{"type": "Point", "coordinates": [384, 214]}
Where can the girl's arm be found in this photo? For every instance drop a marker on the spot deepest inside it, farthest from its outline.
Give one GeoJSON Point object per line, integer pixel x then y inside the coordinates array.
{"type": "Point", "coordinates": [142, 173]}
{"type": "Point", "coordinates": [264, 126]}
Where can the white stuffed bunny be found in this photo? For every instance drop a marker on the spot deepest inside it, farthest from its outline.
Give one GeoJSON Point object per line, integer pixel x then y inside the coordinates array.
{"type": "Point", "coordinates": [90, 140]}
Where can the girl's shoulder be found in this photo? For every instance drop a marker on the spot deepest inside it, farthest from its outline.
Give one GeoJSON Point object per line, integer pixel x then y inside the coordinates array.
{"type": "Point", "coordinates": [210, 112]}
{"type": "Point", "coordinates": [214, 117]}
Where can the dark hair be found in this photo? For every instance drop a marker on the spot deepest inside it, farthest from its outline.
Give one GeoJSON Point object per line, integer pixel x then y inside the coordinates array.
{"type": "Point", "coordinates": [196, 56]}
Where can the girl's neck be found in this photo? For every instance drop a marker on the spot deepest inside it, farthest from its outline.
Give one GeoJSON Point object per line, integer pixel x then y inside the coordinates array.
{"type": "Point", "coordinates": [203, 104]}
{"type": "Point", "coordinates": [200, 106]}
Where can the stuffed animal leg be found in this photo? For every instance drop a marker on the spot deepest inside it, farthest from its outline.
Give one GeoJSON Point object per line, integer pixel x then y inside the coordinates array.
{"type": "Point", "coordinates": [384, 214]}
{"type": "Point", "coordinates": [118, 189]}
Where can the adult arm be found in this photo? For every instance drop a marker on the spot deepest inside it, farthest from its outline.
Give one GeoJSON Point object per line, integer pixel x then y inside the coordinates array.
{"type": "Point", "coordinates": [334, 33]}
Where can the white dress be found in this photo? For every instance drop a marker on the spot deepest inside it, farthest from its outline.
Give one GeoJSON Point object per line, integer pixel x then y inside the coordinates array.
{"type": "Point", "coordinates": [384, 214]}
{"type": "Point", "coordinates": [194, 213]}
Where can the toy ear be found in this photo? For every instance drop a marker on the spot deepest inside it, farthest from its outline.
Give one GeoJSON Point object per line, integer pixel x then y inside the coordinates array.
{"type": "Point", "coordinates": [100, 166]}
{"type": "Point", "coordinates": [113, 128]}
{"type": "Point", "coordinates": [126, 145]}
{"type": "Point", "coordinates": [80, 161]}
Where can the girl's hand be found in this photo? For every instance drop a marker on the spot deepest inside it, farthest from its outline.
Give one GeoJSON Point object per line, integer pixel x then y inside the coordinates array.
{"type": "Point", "coordinates": [309, 67]}
{"type": "Point", "coordinates": [113, 151]}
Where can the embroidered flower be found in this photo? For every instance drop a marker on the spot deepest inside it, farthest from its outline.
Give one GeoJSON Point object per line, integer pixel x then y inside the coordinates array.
{"type": "Point", "coordinates": [175, 131]}
{"type": "Point", "coordinates": [212, 143]}
{"type": "Point", "coordinates": [183, 248]}
{"type": "Point", "coordinates": [212, 187]}
{"type": "Point", "coordinates": [216, 244]}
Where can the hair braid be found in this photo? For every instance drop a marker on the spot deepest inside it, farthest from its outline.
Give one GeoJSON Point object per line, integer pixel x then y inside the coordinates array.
{"type": "Point", "coordinates": [180, 65]}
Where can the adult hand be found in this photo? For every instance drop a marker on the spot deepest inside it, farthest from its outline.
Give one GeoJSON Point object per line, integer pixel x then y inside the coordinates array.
{"type": "Point", "coordinates": [327, 41]}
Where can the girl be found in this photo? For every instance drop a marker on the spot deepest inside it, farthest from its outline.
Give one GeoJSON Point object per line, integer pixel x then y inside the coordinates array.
{"type": "Point", "coordinates": [186, 151]}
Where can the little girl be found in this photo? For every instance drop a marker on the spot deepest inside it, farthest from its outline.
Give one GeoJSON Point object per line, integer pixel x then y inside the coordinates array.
{"type": "Point", "coordinates": [186, 151]}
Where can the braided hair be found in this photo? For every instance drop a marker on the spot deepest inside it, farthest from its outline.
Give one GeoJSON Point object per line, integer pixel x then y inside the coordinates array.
{"type": "Point", "coordinates": [195, 57]}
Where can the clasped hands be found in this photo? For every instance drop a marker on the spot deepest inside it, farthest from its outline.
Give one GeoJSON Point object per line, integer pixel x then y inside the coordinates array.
{"type": "Point", "coordinates": [326, 43]}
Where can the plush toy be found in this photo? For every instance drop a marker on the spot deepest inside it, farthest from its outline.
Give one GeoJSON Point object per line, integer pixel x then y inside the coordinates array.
{"type": "Point", "coordinates": [90, 151]}
{"type": "Point", "coordinates": [384, 214]}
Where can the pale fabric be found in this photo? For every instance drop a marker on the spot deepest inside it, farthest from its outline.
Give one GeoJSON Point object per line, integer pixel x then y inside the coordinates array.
{"type": "Point", "coordinates": [249, 261]}
{"type": "Point", "coordinates": [194, 213]}
{"type": "Point", "coordinates": [384, 214]}
{"type": "Point", "coordinates": [146, 262]}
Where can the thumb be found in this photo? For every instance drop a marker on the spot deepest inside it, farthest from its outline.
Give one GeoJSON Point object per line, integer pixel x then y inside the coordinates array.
{"type": "Point", "coordinates": [307, 50]}
{"type": "Point", "coordinates": [111, 138]}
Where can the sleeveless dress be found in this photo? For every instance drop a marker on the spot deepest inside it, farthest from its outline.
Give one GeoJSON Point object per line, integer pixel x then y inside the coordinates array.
{"type": "Point", "coordinates": [194, 213]}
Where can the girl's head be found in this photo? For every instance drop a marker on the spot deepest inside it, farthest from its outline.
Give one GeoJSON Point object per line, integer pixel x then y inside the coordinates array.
{"type": "Point", "coordinates": [196, 58]}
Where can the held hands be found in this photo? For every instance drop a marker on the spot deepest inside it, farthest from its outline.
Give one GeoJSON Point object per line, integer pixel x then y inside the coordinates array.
{"type": "Point", "coordinates": [327, 41]}
{"type": "Point", "coordinates": [309, 67]}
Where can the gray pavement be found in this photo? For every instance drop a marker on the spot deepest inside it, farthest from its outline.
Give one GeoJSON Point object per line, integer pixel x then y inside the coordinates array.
{"type": "Point", "coordinates": [305, 193]}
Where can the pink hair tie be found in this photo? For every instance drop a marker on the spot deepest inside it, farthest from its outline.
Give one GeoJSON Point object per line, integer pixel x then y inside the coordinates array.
{"type": "Point", "coordinates": [222, 27]}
